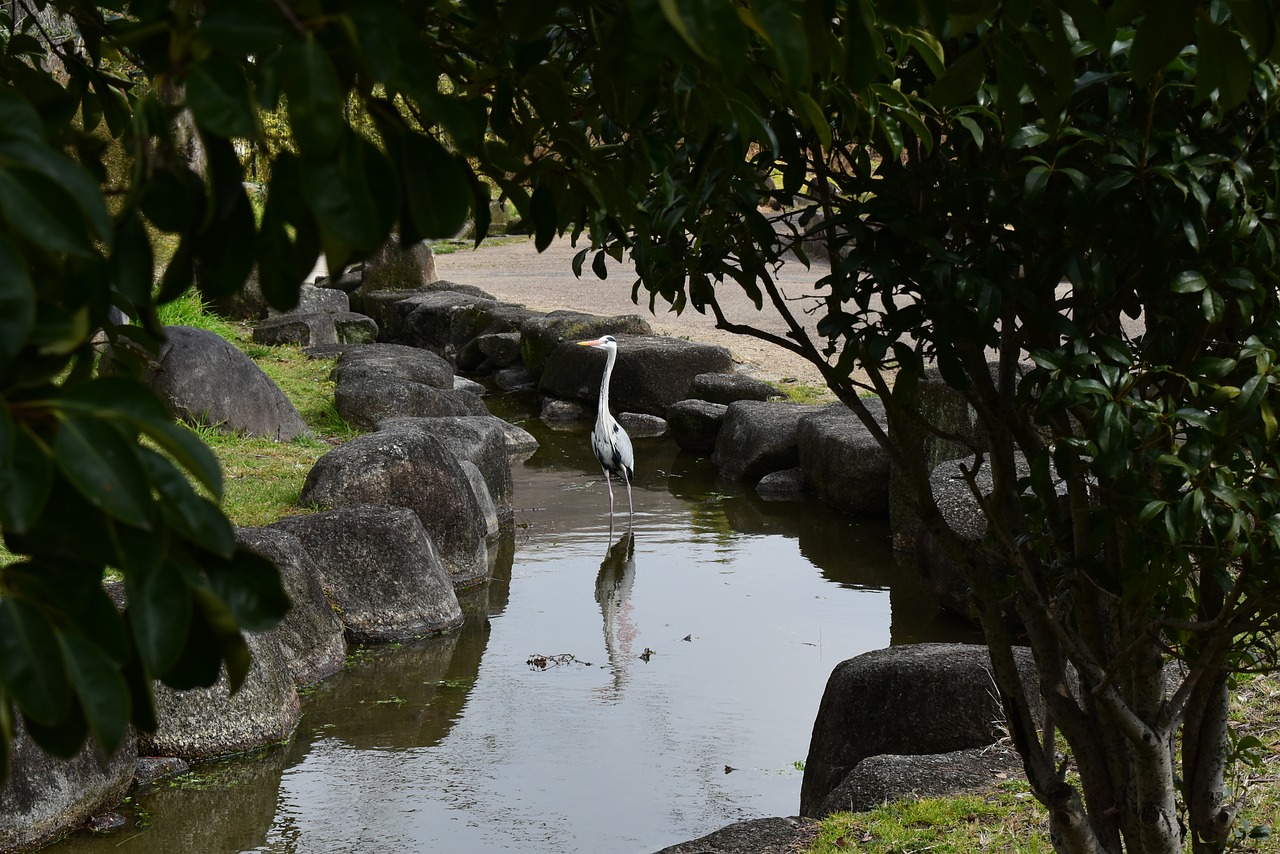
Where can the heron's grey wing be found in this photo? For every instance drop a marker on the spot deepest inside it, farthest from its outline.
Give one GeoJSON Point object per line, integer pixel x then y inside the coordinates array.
{"type": "Point", "coordinates": [626, 456]}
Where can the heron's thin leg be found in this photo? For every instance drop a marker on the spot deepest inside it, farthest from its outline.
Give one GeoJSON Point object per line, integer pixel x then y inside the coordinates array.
{"type": "Point", "coordinates": [609, 482]}
{"type": "Point", "coordinates": [631, 510]}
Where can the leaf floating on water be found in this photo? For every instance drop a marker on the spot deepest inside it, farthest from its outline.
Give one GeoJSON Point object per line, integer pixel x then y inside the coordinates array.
{"type": "Point", "coordinates": [729, 769]}
{"type": "Point", "coordinates": [646, 655]}
{"type": "Point", "coordinates": [688, 638]}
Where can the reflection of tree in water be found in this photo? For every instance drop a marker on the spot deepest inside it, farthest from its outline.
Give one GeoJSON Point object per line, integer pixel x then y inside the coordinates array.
{"type": "Point", "coordinates": [613, 593]}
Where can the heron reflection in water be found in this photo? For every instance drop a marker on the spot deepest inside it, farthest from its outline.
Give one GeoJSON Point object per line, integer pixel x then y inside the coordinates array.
{"type": "Point", "coordinates": [613, 593]}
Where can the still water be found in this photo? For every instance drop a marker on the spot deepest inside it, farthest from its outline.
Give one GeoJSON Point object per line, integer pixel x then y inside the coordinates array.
{"type": "Point", "coordinates": [608, 693]}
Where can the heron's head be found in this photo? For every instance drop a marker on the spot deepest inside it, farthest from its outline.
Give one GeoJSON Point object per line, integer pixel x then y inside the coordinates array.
{"type": "Point", "coordinates": [608, 342]}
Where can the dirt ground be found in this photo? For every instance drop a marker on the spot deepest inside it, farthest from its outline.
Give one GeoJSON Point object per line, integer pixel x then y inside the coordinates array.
{"type": "Point", "coordinates": [512, 270]}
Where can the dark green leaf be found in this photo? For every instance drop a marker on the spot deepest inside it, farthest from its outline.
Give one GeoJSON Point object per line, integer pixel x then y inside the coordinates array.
{"type": "Point", "coordinates": [219, 98]}
{"type": "Point", "coordinates": [173, 198]}
{"type": "Point", "coordinates": [1222, 65]}
{"type": "Point", "coordinates": [712, 29]}
{"type": "Point", "coordinates": [31, 666]}
{"type": "Point", "coordinates": [212, 633]}
{"type": "Point", "coordinates": [315, 99]}
{"type": "Point", "coordinates": [1037, 178]}
{"type": "Point", "coordinates": [104, 467]}
{"type": "Point", "coordinates": [194, 516]}
{"type": "Point", "coordinates": [35, 208]}
{"type": "Point", "coordinates": [104, 696]}
{"type": "Point", "coordinates": [542, 210]}
{"type": "Point", "coordinates": [73, 182]}
{"type": "Point", "coordinates": [1163, 33]}
{"type": "Point", "coordinates": [18, 119]}
{"type": "Point", "coordinates": [1028, 137]}
{"type": "Point", "coordinates": [437, 193]}
{"type": "Point", "coordinates": [959, 82]}
{"type": "Point", "coordinates": [17, 301]}
{"type": "Point", "coordinates": [160, 615]}
{"type": "Point", "coordinates": [91, 109]}
{"type": "Point", "coordinates": [224, 252]}
{"type": "Point", "coordinates": [244, 27]}
{"type": "Point", "coordinates": [341, 196]}
{"type": "Point", "coordinates": [1212, 305]}
{"type": "Point", "coordinates": [1250, 395]}
{"type": "Point", "coordinates": [249, 584]}
{"type": "Point", "coordinates": [179, 274]}
{"type": "Point", "coordinates": [115, 107]}
{"type": "Point", "coordinates": [785, 33]}
{"type": "Point", "coordinates": [63, 739]}
{"type": "Point", "coordinates": [26, 477]}
{"type": "Point", "coordinates": [132, 264]}
{"type": "Point", "coordinates": [1189, 282]}
{"type": "Point", "coordinates": [863, 45]}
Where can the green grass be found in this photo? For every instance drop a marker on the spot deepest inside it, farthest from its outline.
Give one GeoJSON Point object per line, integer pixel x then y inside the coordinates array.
{"type": "Point", "coordinates": [1008, 819]}
{"type": "Point", "coordinates": [263, 478]}
{"type": "Point", "coordinates": [190, 310]}
{"type": "Point", "coordinates": [802, 392]}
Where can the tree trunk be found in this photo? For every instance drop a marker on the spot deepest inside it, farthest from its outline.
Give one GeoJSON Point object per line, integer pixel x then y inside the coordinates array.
{"type": "Point", "coordinates": [1204, 764]}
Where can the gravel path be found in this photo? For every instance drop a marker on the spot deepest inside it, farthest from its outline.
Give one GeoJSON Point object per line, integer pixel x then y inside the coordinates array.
{"type": "Point", "coordinates": [514, 271]}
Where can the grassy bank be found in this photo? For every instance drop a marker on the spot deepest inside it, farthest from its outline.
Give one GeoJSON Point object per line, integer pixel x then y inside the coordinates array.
{"type": "Point", "coordinates": [264, 478]}
{"type": "Point", "coordinates": [1008, 818]}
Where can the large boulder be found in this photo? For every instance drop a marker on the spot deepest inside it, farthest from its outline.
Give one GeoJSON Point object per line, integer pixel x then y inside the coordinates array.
{"type": "Point", "coordinates": [429, 323]}
{"type": "Point", "coordinates": [385, 306]}
{"type": "Point", "coordinates": [758, 437]}
{"type": "Point", "coordinates": [204, 723]}
{"type": "Point", "coordinates": [956, 433]}
{"type": "Point", "coordinates": [412, 469]}
{"type": "Point", "coordinates": [395, 266]}
{"type": "Point", "coordinates": [480, 440]}
{"type": "Point", "coordinates": [542, 336]}
{"type": "Point", "coordinates": [409, 363]}
{"type": "Point", "coordinates": [45, 797]}
{"type": "Point", "coordinates": [496, 350]}
{"type": "Point", "coordinates": [381, 569]}
{"type": "Point", "coordinates": [651, 373]}
{"type": "Point", "coordinates": [785, 485]}
{"type": "Point", "coordinates": [641, 426]}
{"type": "Point", "coordinates": [315, 329]}
{"type": "Point", "coordinates": [695, 424]}
{"type": "Point", "coordinates": [521, 444]}
{"type": "Point", "coordinates": [488, 510]}
{"type": "Point", "coordinates": [487, 319]}
{"type": "Point", "coordinates": [962, 513]}
{"type": "Point", "coordinates": [205, 380]}
{"type": "Point", "coordinates": [363, 395]}
{"type": "Point", "coordinates": [913, 699]}
{"type": "Point", "coordinates": [730, 388]}
{"type": "Point", "coordinates": [753, 836]}
{"type": "Point", "coordinates": [841, 461]}
{"type": "Point", "coordinates": [891, 777]}
{"type": "Point", "coordinates": [314, 300]}
{"type": "Point", "coordinates": [311, 633]}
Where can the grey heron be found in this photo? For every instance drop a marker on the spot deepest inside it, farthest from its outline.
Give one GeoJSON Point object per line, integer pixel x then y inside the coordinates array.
{"type": "Point", "coordinates": [611, 444]}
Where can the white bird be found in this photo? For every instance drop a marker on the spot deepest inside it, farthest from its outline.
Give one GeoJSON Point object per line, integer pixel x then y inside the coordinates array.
{"type": "Point", "coordinates": [611, 444]}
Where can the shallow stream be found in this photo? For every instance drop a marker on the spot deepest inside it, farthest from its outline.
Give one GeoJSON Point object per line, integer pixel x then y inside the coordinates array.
{"type": "Point", "coordinates": [603, 696]}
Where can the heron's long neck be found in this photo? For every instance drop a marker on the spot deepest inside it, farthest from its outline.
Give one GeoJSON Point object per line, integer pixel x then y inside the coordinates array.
{"type": "Point", "coordinates": [604, 383]}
